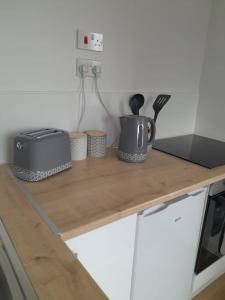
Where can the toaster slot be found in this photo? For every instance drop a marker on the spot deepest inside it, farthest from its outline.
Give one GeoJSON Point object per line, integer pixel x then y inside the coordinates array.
{"type": "Point", "coordinates": [33, 133]}
{"type": "Point", "coordinates": [41, 133]}
{"type": "Point", "coordinates": [49, 133]}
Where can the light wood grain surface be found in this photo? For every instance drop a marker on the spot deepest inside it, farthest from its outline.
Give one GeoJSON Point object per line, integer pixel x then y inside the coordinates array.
{"type": "Point", "coordinates": [216, 291]}
{"type": "Point", "coordinates": [77, 135]}
{"type": "Point", "coordinates": [53, 271]}
{"type": "Point", "coordinates": [95, 133]}
{"type": "Point", "coordinates": [98, 191]}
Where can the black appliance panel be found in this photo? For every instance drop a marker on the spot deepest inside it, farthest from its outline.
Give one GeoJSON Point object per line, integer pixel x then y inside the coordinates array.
{"type": "Point", "coordinates": [212, 236]}
{"type": "Point", "coordinates": [204, 151]}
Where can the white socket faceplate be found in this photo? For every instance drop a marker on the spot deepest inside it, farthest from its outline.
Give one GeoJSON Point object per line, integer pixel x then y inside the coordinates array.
{"type": "Point", "coordinates": [89, 40]}
{"type": "Point", "coordinates": [88, 65]}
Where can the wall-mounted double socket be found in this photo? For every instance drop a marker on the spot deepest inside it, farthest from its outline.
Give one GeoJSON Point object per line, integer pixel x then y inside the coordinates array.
{"type": "Point", "coordinates": [89, 40]}
{"type": "Point", "coordinates": [87, 65]}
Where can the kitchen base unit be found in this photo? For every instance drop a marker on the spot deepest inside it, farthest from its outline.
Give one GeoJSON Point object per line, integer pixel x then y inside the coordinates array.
{"type": "Point", "coordinates": [166, 248]}
{"type": "Point", "coordinates": [107, 254]}
{"type": "Point", "coordinates": [210, 263]}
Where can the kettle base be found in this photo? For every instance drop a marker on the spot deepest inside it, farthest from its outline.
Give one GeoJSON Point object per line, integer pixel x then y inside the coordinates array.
{"type": "Point", "coordinates": [132, 157]}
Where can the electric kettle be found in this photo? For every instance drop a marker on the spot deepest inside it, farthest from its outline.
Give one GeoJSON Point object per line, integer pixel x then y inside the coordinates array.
{"type": "Point", "coordinates": [135, 137]}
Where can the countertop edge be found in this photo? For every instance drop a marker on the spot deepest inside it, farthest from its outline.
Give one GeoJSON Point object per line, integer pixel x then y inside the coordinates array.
{"type": "Point", "coordinates": [49, 264]}
{"type": "Point", "coordinates": [136, 209]}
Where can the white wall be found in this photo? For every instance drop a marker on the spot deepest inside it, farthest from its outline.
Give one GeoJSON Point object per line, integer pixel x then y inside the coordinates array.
{"type": "Point", "coordinates": [150, 46]}
{"type": "Point", "coordinates": [211, 110]}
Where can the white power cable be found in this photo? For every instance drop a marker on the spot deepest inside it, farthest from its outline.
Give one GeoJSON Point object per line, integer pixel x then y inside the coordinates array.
{"type": "Point", "coordinates": [82, 96]}
{"type": "Point", "coordinates": [96, 71]}
{"type": "Point", "coordinates": [79, 100]}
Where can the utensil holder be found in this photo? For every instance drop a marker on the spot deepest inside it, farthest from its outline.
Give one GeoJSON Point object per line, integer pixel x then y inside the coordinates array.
{"type": "Point", "coordinates": [78, 144]}
{"type": "Point", "coordinates": [96, 141]}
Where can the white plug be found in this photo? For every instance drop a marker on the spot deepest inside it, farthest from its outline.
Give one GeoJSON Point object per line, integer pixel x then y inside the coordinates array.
{"type": "Point", "coordinates": [96, 70]}
{"type": "Point", "coordinates": [84, 67]}
{"type": "Point", "coordinates": [83, 70]}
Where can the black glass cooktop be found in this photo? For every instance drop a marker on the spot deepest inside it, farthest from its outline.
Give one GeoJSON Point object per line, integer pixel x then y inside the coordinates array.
{"type": "Point", "coordinates": [206, 152]}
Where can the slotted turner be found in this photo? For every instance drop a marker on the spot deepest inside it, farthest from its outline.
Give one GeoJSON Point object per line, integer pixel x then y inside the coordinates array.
{"type": "Point", "coordinates": [160, 101]}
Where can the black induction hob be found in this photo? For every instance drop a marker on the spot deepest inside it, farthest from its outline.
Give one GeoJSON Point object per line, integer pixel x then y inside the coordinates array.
{"type": "Point", "coordinates": [203, 151]}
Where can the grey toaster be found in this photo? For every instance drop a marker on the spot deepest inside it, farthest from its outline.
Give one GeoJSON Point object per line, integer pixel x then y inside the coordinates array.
{"type": "Point", "coordinates": [41, 153]}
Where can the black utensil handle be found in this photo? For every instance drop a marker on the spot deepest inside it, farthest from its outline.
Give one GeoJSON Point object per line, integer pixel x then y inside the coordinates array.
{"type": "Point", "coordinates": [156, 116]}
{"type": "Point", "coordinates": [153, 131]}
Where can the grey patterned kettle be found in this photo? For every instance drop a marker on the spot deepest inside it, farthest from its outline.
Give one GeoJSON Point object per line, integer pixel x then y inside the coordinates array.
{"type": "Point", "coordinates": [135, 137]}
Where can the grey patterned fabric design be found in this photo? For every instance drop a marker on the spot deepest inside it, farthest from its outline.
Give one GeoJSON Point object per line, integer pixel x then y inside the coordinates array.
{"type": "Point", "coordinates": [37, 176]}
{"type": "Point", "coordinates": [96, 146]}
{"type": "Point", "coordinates": [129, 157]}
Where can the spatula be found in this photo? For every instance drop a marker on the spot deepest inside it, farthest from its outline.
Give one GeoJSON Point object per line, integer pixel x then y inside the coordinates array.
{"type": "Point", "coordinates": [160, 101]}
{"type": "Point", "coordinates": [136, 102]}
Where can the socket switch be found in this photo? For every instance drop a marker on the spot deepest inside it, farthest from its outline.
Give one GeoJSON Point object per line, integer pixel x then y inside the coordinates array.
{"type": "Point", "coordinates": [89, 40]}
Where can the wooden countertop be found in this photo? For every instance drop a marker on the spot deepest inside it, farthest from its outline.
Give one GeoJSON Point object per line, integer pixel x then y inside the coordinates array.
{"type": "Point", "coordinates": [93, 193]}
{"type": "Point", "coordinates": [98, 191]}
{"type": "Point", "coordinates": [52, 269]}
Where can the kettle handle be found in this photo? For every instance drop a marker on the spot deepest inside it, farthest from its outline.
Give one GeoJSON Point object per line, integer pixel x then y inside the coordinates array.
{"type": "Point", "coordinates": [153, 131]}
{"type": "Point", "coordinates": [140, 137]}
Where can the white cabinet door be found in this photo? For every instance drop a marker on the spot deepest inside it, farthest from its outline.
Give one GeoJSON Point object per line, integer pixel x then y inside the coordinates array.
{"type": "Point", "coordinates": [166, 249]}
{"type": "Point", "coordinates": [107, 254]}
